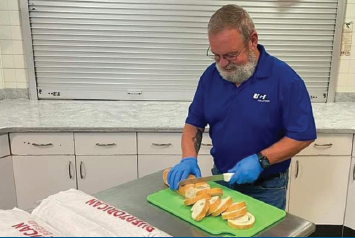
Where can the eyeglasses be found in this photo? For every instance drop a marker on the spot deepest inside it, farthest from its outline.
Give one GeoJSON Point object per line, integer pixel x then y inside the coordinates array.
{"type": "Point", "coordinates": [228, 57]}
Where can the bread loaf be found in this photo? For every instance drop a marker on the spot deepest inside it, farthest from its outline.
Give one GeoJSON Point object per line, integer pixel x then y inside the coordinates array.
{"type": "Point", "coordinates": [243, 222]}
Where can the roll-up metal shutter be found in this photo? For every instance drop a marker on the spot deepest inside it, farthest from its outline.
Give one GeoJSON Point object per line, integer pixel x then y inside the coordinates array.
{"type": "Point", "coordinates": [156, 50]}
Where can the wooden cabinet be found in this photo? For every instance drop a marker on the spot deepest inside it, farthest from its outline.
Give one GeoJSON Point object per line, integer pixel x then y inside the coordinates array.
{"type": "Point", "coordinates": [97, 173]}
{"type": "Point", "coordinates": [148, 164]}
{"type": "Point", "coordinates": [349, 221]}
{"type": "Point", "coordinates": [7, 184]}
{"type": "Point", "coordinates": [4, 145]}
{"type": "Point", "coordinates": [46, 163]}
{"type": "Point", "coordinates": [318, 187]}
{"type": "Point", "coordinates": [157, 151]}
{"type": "Point", "coordinates": [105, 143]}
{"type": "Point", "coordinates": [42, 143]}
{"type": "Point", "coordinates": [319, 178]}
{"type": "Point", "coordinates": [104, 160]}
{"type": "Point", "coordinates": [37, 177]}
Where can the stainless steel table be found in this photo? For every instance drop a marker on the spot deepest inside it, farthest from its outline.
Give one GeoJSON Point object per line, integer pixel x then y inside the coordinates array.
{"type": "Point", "coordinates": [131, 197]}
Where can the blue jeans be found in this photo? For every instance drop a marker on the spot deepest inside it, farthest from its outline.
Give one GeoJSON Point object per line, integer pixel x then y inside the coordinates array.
{"type": "Point", "coordinates": [271, 190]}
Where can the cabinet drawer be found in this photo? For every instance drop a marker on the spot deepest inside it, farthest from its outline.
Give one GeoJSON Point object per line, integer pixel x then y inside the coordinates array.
{"type": "Point", "coordinates": [167, 143]}
{"type": "Point", "coordinates": [105, 143]}
{"type": "Point", "coordinates": [159, 143]}
{"type": "Point", "coordinates": [42, 143]}
{"type": "Point", "coordinates": [4, 145]}
{"type": "Point", "coordinates": [330, 144]}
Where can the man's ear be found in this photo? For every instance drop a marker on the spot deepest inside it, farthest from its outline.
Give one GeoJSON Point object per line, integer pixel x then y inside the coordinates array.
{"type": "Point", "coordinates": [253, 43]}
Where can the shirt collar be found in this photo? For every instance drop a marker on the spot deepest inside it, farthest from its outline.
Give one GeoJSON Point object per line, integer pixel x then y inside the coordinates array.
{"type": "Point", "coordinates": [265, 63]}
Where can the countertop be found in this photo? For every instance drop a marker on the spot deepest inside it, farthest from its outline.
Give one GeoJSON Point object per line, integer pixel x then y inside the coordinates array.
{"type": "Point", "coordinates": [131, 197]}
{"type": "Point", "coordinates": [21, 115]}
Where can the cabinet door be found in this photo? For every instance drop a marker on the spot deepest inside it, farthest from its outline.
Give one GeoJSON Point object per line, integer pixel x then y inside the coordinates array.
{"type": "Point", "coordinates": [205, 163]}
{"type": "Point", "coordinates": [97, 173]}
{"type": "Point", "coordinates": [37, 177]}
{"type": "Point", "coordinates": [148, 164]}
{"type": "Point", "coordinates": [7, 184]}
{"type": "Point", "coordinates": [4, 145]}
{"type": "Point", "coordinates": [318, 188]}
{"type": "Point", "coordinates": [350, 204]}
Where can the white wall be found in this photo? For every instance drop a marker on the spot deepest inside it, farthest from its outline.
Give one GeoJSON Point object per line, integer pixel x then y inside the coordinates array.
{"type": "Point", "coordinates": [13, 69]}
{"type": "Point", "coordinates": [346, 78]}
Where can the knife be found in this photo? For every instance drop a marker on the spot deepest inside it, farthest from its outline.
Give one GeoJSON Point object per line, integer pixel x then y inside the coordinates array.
{"type": "Point", "coordinates": [225, 177]}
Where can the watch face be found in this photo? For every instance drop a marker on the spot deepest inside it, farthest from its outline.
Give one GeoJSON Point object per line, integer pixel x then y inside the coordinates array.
{"type": "Point", "coordinates": [264, 162]}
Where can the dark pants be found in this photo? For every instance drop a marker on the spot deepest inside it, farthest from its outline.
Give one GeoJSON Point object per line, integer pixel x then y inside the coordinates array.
{"type": "Point", "coordinates": [271, 190]}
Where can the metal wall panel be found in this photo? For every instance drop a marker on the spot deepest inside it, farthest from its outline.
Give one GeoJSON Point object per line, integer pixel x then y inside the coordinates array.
{"type": "Point", "coordinates": [155, 50]}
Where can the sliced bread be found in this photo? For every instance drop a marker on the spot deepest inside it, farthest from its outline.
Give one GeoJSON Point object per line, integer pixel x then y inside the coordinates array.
{"type": "Point", "coordinates": [199, 209]}
{"type": "Point", "coordinates": [214, 203]}
{"type": "Point", "coordinates": [234, 214]}
{"type": "Point", "coordinates": [190, 201]}
{"type": "Point", "coordinates": [243, 222]}
{"type": "Point", "coordinates": [236, 206]}
{"type": "Point", "coordinates": [225, 203]}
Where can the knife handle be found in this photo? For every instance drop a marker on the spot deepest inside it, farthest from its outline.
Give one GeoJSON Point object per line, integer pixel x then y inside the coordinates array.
{"type": "Point", "coordinates": [227, 177]}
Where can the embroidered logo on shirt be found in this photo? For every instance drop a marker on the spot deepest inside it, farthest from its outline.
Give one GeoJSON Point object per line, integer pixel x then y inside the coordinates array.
{"type": "Point", "coordinates": [261, 97]}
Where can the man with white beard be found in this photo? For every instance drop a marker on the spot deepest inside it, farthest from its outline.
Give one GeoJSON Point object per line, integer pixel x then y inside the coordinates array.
{"type": "Point", "coordinates": [258, 110]}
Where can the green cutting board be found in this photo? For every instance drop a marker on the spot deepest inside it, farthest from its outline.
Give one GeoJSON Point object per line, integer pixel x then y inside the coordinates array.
{"type": "Point", "coordinates": [265, 215]}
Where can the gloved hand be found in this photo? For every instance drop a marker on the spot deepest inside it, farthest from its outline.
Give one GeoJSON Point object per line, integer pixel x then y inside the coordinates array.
{"type": "Point", "coordinates": [182, 170]}
{"type": "Point", "coordinates": [246, 171]}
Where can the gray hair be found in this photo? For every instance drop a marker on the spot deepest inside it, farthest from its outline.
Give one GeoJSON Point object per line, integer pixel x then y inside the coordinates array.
{"type": "Point", "coordinates": [231, 17]}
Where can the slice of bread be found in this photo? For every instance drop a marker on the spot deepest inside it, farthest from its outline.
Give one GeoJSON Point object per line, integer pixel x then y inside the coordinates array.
{"type": "Point", "coordinates": [214, 203]}
{"type": "Point", "coordinates": [225, 203]}
{"type": "Point", "coordinates": [236, 206]}
{"type": "Point", "coordinates": [190, 201]}
{"type": "Point", "coordinates": [196, 190]}
{"type": "Point", "coordinates": [234, 214]}
{"type": "Point", "coordinates": [199, 209]}
{"type": "Point", "coordinates": [182, 189]}
{"type": "Point", "coordinates": [243, 222]}
{"type": "Point", "coordinates": [211, 191]}
{"type": "Point", "coordinates": [165, 176]}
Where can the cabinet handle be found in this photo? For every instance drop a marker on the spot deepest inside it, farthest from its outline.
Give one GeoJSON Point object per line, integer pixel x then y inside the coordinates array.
{"type": "Point", "coordinates": [110, 144]}
{"type": "Point", "coordinates": [81, 169]}
{"type": "Point", "coordinates": [41, 145]}
{"type": "Point", "coordinates": [354, 173]}
{"type": "Point", "coordinates": [161, 144]}
{"type": "Point", "coordinates": [323, 145]}
{"type": "Point", "coordinates": [206, 144]}
{"type": "Point", "coordinates": [297, 168]}
{"type": "Point", "coordinates": [70, 165]}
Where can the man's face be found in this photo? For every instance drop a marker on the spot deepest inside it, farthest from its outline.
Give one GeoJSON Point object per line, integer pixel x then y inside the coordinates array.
{"type": "Point", "coordinates": [229, 43]}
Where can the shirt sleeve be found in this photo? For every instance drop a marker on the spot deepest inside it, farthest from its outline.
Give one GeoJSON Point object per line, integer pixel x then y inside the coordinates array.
{"type": "Point", "coordinates": [196, 114]}
{"type": "Point", "coordinates": [296, 108]}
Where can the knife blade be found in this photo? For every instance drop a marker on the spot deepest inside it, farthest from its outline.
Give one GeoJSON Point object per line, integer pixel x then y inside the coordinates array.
{"type": "Point", "coordinates": [219, 177]}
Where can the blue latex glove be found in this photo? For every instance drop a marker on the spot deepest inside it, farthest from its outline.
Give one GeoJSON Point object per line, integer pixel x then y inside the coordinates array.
{"type": "Point", "coordinates": [246, 171]}
{"type": "Point", "coordinates": [182, 170]}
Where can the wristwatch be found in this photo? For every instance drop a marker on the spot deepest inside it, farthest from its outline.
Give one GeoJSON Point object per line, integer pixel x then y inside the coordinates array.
{"type": "Point", "coordinates": [263, 160]}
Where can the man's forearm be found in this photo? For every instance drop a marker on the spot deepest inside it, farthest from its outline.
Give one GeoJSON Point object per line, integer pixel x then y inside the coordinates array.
{"type": "Point", "coordinates": [284, 149]}
{"type": "Point", "coordinates": [191, 140]}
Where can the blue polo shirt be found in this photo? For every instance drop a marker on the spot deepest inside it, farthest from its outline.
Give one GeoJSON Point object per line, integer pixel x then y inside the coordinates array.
{"type": "Point", "coordinates": [245, 120]}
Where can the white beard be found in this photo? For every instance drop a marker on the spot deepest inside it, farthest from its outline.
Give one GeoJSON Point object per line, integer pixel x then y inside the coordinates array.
{"type": "Point", "coordinates": [239, 73]}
